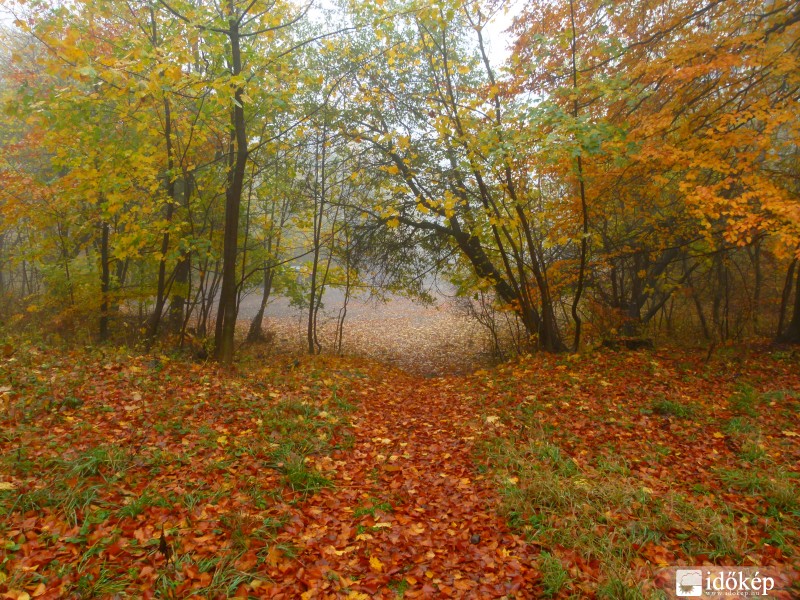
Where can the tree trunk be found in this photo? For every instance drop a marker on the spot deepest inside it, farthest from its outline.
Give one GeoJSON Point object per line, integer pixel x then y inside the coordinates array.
{"type": "Point", "coordinates": [105, 281]}
{"type": "Point", "coordinates": [161, 292]}
{"type": "Point", "coordinates": [255, 332]}
{"type": "Point", "coordinates": [2, 280]}
{"type": "Point", "coordinates": [582, 189]}
{"type": "Point", "coordinates": [227, 313]}
{"type": "Point", "coordinates": [791, 334]}
{"type": "Point", "coordinates": [319, 205]}
{"type": "Point", "coordinates": [177, 305]}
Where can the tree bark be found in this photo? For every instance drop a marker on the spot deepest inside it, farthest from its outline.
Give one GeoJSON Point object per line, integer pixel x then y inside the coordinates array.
{"type": "Point", "coordinates": [227, 312]}
{"type": "Point", "coordinates": [791, 334]}
{"type": "Point", "coordinates": [161, 292]}
{"type": "Point", "coordinates": [105, 281]}
{"type": "Point", "coordinates": [582, 189]}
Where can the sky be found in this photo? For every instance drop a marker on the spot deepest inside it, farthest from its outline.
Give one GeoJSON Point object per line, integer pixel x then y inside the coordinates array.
{"type": "Point", "coordinates": [5, 16]}
{"type": "Point", "coordinates": [494, 34]}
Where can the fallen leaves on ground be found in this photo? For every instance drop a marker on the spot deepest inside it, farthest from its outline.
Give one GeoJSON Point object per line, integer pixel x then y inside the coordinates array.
{"type": "Point", "coordinates": [342, 478]}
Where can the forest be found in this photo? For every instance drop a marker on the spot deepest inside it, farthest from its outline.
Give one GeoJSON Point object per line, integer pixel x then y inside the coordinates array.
{"type": "Point", "coordinates": [623, 169]}
{"type": "Point", "coordinates": [587, 210]}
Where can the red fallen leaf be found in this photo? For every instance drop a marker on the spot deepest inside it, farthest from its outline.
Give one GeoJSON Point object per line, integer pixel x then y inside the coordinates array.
{"type": "Point", "coordinates": [202, 581]}
{"type": "Point", "coordinates": [429, 589]}
{"type": "Point", "coordinates": [140, 535]}
{"type": "Point", "coordinates": [274, 556]}
{"type": "Point", "coordinates": [246, 562]}
{"type": "Point", "coordinates": [190, 571]}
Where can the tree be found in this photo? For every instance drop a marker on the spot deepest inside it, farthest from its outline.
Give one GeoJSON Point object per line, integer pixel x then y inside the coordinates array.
{"type": "Point", "coordinates": [444, 132]}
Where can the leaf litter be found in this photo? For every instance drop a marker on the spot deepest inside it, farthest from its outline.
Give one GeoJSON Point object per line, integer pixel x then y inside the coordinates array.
{"type": "Point", "coordinates": [128, 476]}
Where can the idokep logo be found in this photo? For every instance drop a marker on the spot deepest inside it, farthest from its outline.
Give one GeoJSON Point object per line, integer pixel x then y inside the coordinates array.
{"type": "Point", "coordinates": [689, 582]}
{"type": "Point", "coordinates": [720, 582]}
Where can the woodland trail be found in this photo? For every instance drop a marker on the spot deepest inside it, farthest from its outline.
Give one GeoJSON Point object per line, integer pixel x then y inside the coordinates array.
{"type": "Point", "coordinates": [428, 517]}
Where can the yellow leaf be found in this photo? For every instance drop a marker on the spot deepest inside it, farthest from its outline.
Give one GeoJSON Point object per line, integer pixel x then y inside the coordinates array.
{"type": "Point", "coordinates": [790, 433]}
{"type": "Point", "coordinates": [222, 440]}
{"type": "Point", "coordinates": [375, 564]}
{"type": "Point", "coordinates": [719, 435]}
{"type": "Point", "coordinates": [6, 485]}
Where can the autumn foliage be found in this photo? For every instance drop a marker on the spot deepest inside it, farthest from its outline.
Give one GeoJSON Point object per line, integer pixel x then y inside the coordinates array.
{"type": "Point", "coordinates": [607, 190]}
{"type": "Point", "coordinates": [628, 169]}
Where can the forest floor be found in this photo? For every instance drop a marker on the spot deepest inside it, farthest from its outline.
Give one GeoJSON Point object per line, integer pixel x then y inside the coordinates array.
{"type": "Point", "coordinates": [568, 477]}
{"type": "Point", "coordinates": [439, 338]}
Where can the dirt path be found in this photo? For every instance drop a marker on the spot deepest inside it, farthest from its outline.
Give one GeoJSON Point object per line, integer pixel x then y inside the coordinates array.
{"type": "Point", "coordinates": [409, 512]}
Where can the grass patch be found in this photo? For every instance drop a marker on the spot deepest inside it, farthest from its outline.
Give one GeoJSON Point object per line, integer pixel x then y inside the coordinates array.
{"type": "Point", "coordinates": [668, 408]}
{"type": "Point", "coordinates": [611, 492]}
{"type": "Point", "coordinates": [598, 514]}
{"type": "Point", "coordinates": [105, 461]}
{"type": "Point", "coordinates": [554, 575]}
{"type": "Point", "coordinates": [776, 488]}
{"type": "Point", "coordinates": [744, 400]}
{"type": "Point", "coordinates": [303, 480]}
{"type": "Point", "coordinates": [370, 509]}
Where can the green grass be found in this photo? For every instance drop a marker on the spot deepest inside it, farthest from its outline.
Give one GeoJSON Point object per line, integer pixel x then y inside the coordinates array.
{"type": "Point", "coordinates": [103, 584]}
{"type": "Point", "coordinates": [399, 587]}
{"type": "Point", "coordinates": [739, 425]}
{"type": "Point", "coordinates": [600, 512]}
{"type": "Point", "coordinates": [554, 575]}
{"type": "Point", "coordinates": [303, 480]}
{"type": "Point", "coordinates": [374, 505]}
{"type": "Point", "coordinates": [776, 487]}
{"type": "Point", "coordinates": [105, 461]}
{"type": "Point", "coordinates": [745, 400]}
{"type": "Point", "coordinates": [668, 408]}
